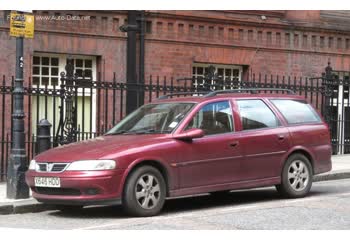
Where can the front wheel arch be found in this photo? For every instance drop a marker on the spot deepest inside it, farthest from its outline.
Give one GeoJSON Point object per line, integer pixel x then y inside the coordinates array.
{"type": "Point", "coordinates": [156, 164]}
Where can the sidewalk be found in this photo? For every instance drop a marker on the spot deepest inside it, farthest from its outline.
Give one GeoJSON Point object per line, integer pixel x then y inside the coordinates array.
{"type": "Point", "coordinates": [341, 170]}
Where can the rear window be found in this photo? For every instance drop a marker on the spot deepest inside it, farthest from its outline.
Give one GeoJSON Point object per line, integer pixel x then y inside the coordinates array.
{"type": "Point", "coordinates": [296, 111]}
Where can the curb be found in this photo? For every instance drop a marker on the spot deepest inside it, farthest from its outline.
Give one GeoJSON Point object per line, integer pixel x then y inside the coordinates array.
{"type": "Point", "coordinates": [33, 206]}
{"type": "Point", "coordinates": [25, 206]}
{"type": "Point", "coordinates": [335, 175]}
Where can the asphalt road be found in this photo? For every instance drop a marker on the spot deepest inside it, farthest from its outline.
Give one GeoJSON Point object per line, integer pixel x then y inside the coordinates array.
{"type": "Point", "coordinates": [327, 207]}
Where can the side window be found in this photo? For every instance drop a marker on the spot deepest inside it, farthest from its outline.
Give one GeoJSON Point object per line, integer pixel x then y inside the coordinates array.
{"type": "Point", "coordinates": [256, 114]}
{"type": "Point", "coordinates": [213, 118]}
{"type": "Point", "coordinates": [296, 111]}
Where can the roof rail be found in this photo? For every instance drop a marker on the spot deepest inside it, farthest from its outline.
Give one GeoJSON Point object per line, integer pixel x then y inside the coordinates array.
{"type": "Point", "coordinates": [182, 93]}
{"type": "Point", "coordinates": [248, 90]}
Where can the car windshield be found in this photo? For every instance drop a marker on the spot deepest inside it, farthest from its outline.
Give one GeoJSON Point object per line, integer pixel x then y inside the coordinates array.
{"type": "Point", "coordinates": [152, 118]}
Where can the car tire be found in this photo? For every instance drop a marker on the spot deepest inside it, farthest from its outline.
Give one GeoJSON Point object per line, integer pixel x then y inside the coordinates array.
{"type": "Point", "coordinates": [144, 192]}
{"type": "Point", "coordinates": [296, 177]}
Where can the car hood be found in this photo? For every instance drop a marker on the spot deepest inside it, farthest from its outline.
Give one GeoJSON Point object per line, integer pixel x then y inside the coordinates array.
{"type": "Point", "coordinates": [97, 148]}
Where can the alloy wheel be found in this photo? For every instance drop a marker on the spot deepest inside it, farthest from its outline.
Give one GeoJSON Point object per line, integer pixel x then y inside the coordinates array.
{"type": "Point", "coordinates": [298, 175]}
{"type": "Point", "coordinates": [147, 191]}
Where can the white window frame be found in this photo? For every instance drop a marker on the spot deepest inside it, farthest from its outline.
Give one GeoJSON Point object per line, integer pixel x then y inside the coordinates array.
{"type": "Point", "coordinates": [61, 68]}
{"type": "Point", "coordinates": [225, 66]}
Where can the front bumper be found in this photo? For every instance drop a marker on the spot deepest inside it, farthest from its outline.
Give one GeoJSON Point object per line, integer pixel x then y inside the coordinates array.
{"type": "Point", "coordinates": [79, 187]}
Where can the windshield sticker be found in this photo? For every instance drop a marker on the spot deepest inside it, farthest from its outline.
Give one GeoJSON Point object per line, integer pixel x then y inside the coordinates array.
{"type": "Point", "coordinates": [173, 124]}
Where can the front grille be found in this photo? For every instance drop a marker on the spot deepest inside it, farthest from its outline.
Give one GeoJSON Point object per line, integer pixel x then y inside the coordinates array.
{"type": "Point", "coordinates": [57, 191]}
{"type": "Point", "coordinates": [58, 167]}
{"type": "Point", "coordinates": [52, 167]}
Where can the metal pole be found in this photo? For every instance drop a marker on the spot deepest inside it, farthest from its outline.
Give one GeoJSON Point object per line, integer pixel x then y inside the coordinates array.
{"type": "Point", "coordinates": [16, 185]}
{"type": "Point", "coordinates": [131, 95]}
{"type": "Point", "coordinates": [142, 59]}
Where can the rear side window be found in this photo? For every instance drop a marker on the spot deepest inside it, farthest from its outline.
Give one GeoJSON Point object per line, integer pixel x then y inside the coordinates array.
{"type": "Point", "coordinates": [296, 111]}
{"type": "Point", "coordinates": [256, 114]}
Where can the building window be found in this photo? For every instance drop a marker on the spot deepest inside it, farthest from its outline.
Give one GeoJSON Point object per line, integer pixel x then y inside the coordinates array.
{"type": "Point", "coordinates": [211, 31]}
{"type": "Point", "coordinates": [225, 76]}
{"type": "Point", "coordinates": [180, 27]}
{"type": "Point", "coordinates": [339, 43]}
{"type": "Point", "coordinates": [250, 35]}
{"type": "Point", "coordinates": [260, 33]}
{"type": "Point", "coordinates": [278, 39]}
{"type": "Point", "coordinates": [148, 27]}
{"type": "Point", "coordinates": [191, 29]}
{"type": "Point", "coordinates": [45, 70]}
{"type": "Point", "coordinates": [201, 30]}
{"type": "Point", "coordinates": [83, 67]}
{"type": "Point", "coordinates": [159, 27]}
{"type": "Point", "coordinates": [321, 42]}
{"type": "Point", "coordinates": [296, 40]}
{"type": "Point", "coordinates": [287, 39]}
{"type": "Point", "coordinates": [305, 41]}
{"type": "Point", "coordinates": [221, 32]}
{"type": "Point", "coordinates": [170, 27]}
{"type": "Point", "coordinates": [230, 33]}
{"type": "Point", "coordinates": [269, 38]}
{"type": "Point", "coordinates": [241, 34]}
{"type": "Point", "coordinates": [330, 42]}
{"type": "Point", "coordinates": [313, 41]}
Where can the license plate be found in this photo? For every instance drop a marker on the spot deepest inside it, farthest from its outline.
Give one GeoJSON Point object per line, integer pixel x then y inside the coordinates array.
{"type": "Point", "coordinates": [47, 182]}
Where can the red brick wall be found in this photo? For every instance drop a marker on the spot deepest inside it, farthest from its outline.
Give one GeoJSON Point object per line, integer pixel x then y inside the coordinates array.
{"type": "Point", "coordinates": [281, 43]}
{"type": "Point", "coordinates": [277, 45]}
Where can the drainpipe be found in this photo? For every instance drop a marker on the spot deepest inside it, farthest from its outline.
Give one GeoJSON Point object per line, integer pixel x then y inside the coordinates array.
{"type": "Point", "coordinates": [131, 95]}
{"type": "Point", "coordinates": [141, 95]}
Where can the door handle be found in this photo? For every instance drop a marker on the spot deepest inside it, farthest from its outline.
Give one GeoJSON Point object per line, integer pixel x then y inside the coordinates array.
{"type": "Point", "coordinates": [233, 144]}
{"type": "Point", "coordinates": [280, 137]}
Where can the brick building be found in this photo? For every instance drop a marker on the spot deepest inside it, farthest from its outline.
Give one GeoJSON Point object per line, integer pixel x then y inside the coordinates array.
{"type": "Point", "coordinates": [180, 43]}
{"type": "Point", "coordinates": [177, 44]}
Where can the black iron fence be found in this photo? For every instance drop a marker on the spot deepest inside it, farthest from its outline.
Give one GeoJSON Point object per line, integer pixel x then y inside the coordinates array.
{"type": "Point", "coordinates": [82, 108]}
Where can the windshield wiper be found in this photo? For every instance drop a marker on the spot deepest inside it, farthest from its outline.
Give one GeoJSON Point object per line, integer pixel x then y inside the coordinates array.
{"type": "Point", "coordinates": [117, 133]}
{"type": "Point", "coordinates": [145, 131]}
{"type": "Point", "coordinates": [140, 131]}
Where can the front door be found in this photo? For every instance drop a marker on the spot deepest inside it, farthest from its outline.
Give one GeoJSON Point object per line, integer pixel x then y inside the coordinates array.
{"type": "Point", "coordinates": [215, 158]}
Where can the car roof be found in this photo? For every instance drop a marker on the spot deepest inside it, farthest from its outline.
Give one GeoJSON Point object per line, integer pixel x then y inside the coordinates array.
{"type": "Point", "coordinates": [199, 99]}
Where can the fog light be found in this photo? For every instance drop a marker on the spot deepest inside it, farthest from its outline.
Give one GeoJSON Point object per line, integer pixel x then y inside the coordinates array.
{"type": "Point", "coordinates": [92, 191]}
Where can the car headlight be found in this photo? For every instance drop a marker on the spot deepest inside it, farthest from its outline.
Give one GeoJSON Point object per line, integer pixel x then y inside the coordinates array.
{"type": "Point", "coordinates": [91, 165]}
{"type": "Point", "coordinates": [32, 165]}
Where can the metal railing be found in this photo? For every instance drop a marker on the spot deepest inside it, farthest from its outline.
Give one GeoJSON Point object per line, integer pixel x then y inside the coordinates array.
{"type": "Point", "coordinates": [99, 105]}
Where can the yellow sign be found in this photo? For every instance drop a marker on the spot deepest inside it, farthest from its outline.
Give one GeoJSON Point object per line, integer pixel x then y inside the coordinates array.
{"type": "Point", "coordinates": [22, 25]}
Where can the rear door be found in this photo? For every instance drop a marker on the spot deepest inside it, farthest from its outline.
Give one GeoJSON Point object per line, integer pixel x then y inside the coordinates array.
{"type": "Point", "coordinates": [264, 139]}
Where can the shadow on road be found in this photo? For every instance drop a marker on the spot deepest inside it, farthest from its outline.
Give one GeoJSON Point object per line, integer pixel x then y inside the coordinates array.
{"type": "Point", "coordinates": [185, 204]}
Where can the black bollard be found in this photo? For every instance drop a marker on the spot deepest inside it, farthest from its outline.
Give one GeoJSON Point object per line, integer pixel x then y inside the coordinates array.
{"type": "Point", "coordinates": [43, 142]}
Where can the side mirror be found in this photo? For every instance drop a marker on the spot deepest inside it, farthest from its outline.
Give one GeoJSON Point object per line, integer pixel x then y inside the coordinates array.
{"type": "Point", "coordinates": [190, 134]}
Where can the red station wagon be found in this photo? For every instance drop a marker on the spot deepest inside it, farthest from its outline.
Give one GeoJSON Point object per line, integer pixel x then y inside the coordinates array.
{"type": "Point", "coordinates": [213, 143]}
